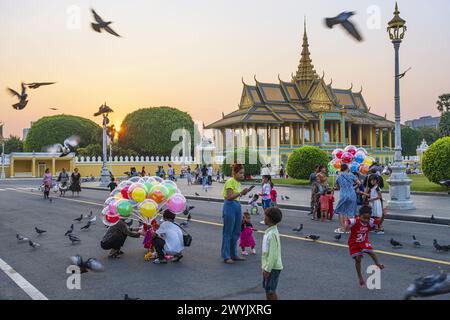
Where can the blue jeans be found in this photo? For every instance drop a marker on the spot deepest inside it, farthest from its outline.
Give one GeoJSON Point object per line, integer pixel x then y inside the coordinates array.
{"type": "Point", "coordinates": [204, 181]}
{"type": "Point", "coordinates": [232, 221]}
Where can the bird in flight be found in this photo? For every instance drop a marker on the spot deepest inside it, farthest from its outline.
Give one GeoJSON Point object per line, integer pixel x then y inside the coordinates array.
{"type": "Point", "coordinates": [69, 146]}
{"type": "Point", "coordinates": [35, 85]}
{"type": "Point", "coordinates": [401, 75]}
{"type": "Point", "coordinates": [103, 109]}
{"type": "Point", "coordinates": [91, 264]}
{"type": "Point", "coordinates": [102, 25]}
{"type": "Point", "coordinates": [54, 109]}
{"type": "Point", "coordinates": [23, 96]}
{"type": "Point", "coordinates": [343, 20]}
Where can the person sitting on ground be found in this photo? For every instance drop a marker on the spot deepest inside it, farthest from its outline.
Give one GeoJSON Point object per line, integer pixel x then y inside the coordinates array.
{"type": "Point", "coordinates": [168, 239]}
{"type": "Point", "coordinates": [115, 237]}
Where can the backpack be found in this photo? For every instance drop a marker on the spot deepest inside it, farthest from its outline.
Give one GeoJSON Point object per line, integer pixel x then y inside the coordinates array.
{"type": "Point", "coordinates": [187, 238]}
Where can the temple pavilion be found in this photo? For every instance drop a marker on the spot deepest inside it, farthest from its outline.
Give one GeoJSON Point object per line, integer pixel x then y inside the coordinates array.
{"type": "Point", "coordinates": [305, 111]}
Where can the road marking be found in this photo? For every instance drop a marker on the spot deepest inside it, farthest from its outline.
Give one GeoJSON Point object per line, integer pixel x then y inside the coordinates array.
{"type": "Point", "coordinates": [23, 284]}
{"type": "Point", "coordinates": [389, 253]}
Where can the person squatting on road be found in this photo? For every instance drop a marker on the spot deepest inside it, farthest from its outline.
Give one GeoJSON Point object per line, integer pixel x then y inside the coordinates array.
{"type": "Point", "coordinates": [115, 237]}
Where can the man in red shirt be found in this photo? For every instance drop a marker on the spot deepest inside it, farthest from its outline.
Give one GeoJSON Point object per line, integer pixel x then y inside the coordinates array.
{"type": "Point", "coordinates": [358, 242]}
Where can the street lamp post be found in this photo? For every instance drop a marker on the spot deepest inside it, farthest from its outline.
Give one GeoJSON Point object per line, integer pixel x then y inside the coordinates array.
{"type": "Point", "coordinates": [399, 182]}
{"type": "Point", "coordinates": [3, 161]}
{"type": "Point", "coordinates": [104, 111]}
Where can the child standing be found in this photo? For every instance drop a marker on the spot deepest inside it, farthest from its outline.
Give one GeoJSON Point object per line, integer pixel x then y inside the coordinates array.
{"type": "Point", "coordinates": [246, 239]}
{"type": "Point", "coordinates": [273, 197]}
{"type": "Point", "coordinates": [253, 203]}
{"type": "Point", "coordinates": [325, 205]}
{"type": "Point", "coordinates": [112, 185]}
{"type": "Point", "coordinates": [358, 242]}
{"type": "Point", "coordinates": [271, 253]}
{"type": "Point", "coordinates": [266, 188]}
{"type": "Point", "coordinates": [375, 198]}
{"type": "Point", "coordinates": [47, 181]}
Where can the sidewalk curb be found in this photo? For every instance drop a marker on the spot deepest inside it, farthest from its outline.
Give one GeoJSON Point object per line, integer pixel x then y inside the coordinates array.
{"type": "Point", "coordinates": [398, 217]}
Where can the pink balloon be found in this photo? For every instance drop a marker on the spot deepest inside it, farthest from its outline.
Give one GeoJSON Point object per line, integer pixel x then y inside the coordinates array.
{"type": "Point", "coordinates": [177, 203]}
{"type": "Point", "coordinates": [113, 207]}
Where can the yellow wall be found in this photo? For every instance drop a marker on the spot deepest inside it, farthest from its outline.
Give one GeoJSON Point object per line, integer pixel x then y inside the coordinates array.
{"type": "Point", "coordinates": [22, 166]}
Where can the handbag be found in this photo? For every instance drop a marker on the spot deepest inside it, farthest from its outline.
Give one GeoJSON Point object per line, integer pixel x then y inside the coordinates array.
{"type": "Point", "coordinates": [187, 238]}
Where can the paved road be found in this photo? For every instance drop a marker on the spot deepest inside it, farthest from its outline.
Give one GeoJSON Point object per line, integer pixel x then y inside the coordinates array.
{"type": "Point", "coordinates": [320, 270]}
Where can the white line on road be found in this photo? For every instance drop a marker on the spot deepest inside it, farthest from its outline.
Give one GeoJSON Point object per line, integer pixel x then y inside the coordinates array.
{"type": "Point", "coordinates": [23, 284]}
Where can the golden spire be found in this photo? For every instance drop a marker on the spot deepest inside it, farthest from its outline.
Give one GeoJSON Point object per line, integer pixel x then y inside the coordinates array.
{"type": "Point", "coordinates": [305, 72]}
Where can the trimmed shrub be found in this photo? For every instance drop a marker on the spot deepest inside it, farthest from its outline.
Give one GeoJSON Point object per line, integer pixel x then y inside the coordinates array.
{"type": "Point", "coordinates": [436, 161]}
{"type": "Point", "coordinates": [302, 161]}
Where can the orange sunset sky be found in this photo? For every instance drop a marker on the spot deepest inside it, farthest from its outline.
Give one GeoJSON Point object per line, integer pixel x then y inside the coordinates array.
{"type": "Point", "coordinates": [191, 54]}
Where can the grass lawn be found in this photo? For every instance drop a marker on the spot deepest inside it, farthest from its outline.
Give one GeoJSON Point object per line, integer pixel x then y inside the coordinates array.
{"type": "Point", "coordinates": [419, 183]}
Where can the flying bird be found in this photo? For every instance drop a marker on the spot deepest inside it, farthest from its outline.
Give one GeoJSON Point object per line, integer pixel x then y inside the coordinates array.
{"type": "Point", "coordinates": [74, 238]}
{"type": "Point", "coordinates": [21, 238]}
{"type": "Point", "coordinates": [36, 85]}
{"type": "Point", "coordinates": [429, 286]}
{"type": "Point", "coordinates": [69, 146]}
{"type": "Point", "coordinates": [23, 96]}
{"type": "Point", "coordinates": [395, 244]}
{"type": "Point", "coordinates": [33, 244]}
{"type": "Point", "coordinates": [102, 25]}
{"type": "Point", "coordinates": [439, 247]}
{"type": "Point", "coordinates": [300, 228]}
{"type": "Point", "coordinates": [416, 242]}
{"type": "Point", "coordinates": [39, 231]}
{"type": "Point", "coordinates": [313, 237]}
{"type": "Point", "coordinates": [79, 219]}
{"type": "Point", "coordinates": [127, 297]}
{"type": "Point", "coordinates": [103, 109]}
{"type": "Point", "coordinates": [343, 20]}
{"type": "Point", "coordinates": [401, 75]}
{"type": "Point", "coordinates": [54, 109]}
{"type": "Point", "coordinates": [91, 264]}
{"type": "Point", "coordinates": [69, 231]}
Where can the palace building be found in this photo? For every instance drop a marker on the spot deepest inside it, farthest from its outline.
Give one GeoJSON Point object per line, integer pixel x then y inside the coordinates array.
{"type": "Point", "coordinates": [305, 111]}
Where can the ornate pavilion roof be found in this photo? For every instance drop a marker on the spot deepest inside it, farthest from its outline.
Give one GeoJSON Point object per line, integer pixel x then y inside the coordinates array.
{"type": "Point", "coordinates": [298, 101]}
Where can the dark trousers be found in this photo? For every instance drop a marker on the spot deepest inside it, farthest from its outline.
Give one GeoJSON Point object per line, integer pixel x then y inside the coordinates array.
{"type": "Point", "coordinates": [115, 243]}
{"type": "Point", "coordinates": [158, 244]}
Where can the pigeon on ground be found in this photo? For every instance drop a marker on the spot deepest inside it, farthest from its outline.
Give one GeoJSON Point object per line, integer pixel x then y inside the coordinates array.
{"type": "Point", "coordinates": [50, 199]}
{"type": "Point", "coordinates": [439, 247]}
{"type": "Point", "coordinates": [416, 242]}
{"type": "Point", "coordinates": [313, 237]}
{"type": "Point", "coordinates": [33, 244]}
{"type": "Point", "coordinates": [127, 297]}
{"type": "Point", "coordinates": [91, 264]}
{"type": "Point", "coordinates": [343, 20]}
{"type": "Point", "coordinates": [89, 215]}
{"type": "Point", "coordinates": [23, 96]}
{"type": "Point", "coordinates": [36, 85]}
{"type": "Point", "coordinates": [39, 231]}
{"type": "Point", "coordinates": [401, 75]}
{"type": "Point", "coordinates": [86, 226]}
{"type": "Point", "coordinates": [338, 236]}
{"type": "Point", "coordinates": [69, 231]}
{"type": "Point", "coordinates": [74, 238]}
{"type": "Point", "coordinates": [197, 194]}
{"type": "Point", "coordinates": [300, 228]}
{"type": "Point", "coordinates": [21, 238]}
{"type": "Point", "coordinates": [102, 25]}
{"type": "Point", "coordinates": [395, 243]}
{"type": "Point", "coordinates": [287, 198]}
{"type": "Point", "coordinates": [79, 219]}
{"type": "Point", "coordinates": [69, 146]}
{"type": "Point", "coordinates": [429, 286]}
{"type": "Point", "coordinates": [282, 197]}
{"type": "Point", "coordinates": [93, 220]}
{"type": "Point", "coordinates": [103, 109]}
{"type": "Point", "coordinates": [432, 219]}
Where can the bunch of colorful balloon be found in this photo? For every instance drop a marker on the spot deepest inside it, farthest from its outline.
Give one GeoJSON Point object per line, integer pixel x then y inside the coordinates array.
{"type": "Point", "coordinates": [142, 199]}
{"type": "Point", "coordinates": [357, 160]}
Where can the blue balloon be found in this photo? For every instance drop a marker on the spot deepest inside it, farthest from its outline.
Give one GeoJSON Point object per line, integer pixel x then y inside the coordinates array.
{"type": "Point", "coordinates": [354, 166]}
{"type": "Point", "coordinates": [359, 158]}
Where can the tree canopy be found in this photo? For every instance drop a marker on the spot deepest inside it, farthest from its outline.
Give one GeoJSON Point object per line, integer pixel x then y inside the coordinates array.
{"type": "Point", "coordinates": [55, 129]}
{"type": "Point", "coordinates": [411, 139]}
{"type": "Point", "coordinates": [13, 144]}
{"type": "Point", "coordinates": [443, 104]}
{"type": "Point", "coordinates": [444, 125]}
{"type": "Point", "coordinates": [148, 131]}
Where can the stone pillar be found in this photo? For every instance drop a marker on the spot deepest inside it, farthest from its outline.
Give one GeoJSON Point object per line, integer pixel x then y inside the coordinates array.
{"type": "Point", "coordinates": [342, 129]}
{"type": "Point", "coordinates": [291, 135]}
{"type": "Point", "coordinates": [11, 168]}
{"type": "Point", "coordinates": [254, 137]}
{"type": "Point", "coordinates": [360, 135]}
{"type": "Point", "coordinates": [381, 137]}
{"type": "Point", "coordinates": [311, 132]}
{"type": "Point", "coordinates": [336, 132]}
{"type": "Point", "coordinates": [33, 167]}
{"type": "Point", "coordinates": [349, 133]}
{"type": "Point", "coordinates": [303, 134]}
{"type": "Point", "coordinates": [374, 138]}
{"type": "Point", "coordinates": [390, 137]}
{"type": "Point", "coordinates": [370, 137]}
{"type": "Point", "coordinates": [53, 167]}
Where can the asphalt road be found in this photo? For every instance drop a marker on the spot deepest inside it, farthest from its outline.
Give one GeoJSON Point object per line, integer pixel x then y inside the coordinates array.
{"type": "Point", "coordinates": [321, 270]}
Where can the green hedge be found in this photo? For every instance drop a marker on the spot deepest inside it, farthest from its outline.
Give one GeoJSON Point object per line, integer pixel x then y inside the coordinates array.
{"type": "Point", "coordinates": [436, 161]}
{"type": "Point", "coordinates": [302, 161]}
{"type": "Point", "coordinates": [55, 129]}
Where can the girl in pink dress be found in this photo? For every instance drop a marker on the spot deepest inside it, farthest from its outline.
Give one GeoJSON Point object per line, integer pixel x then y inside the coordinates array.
{"type": "Point", "coordinates": [246, 239]}
{"type": "Point", "coordinates": [47, 182]}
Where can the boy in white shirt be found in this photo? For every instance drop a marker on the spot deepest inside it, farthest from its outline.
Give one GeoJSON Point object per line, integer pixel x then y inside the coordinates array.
{"type": "Point", "coordinates": [168, 239]}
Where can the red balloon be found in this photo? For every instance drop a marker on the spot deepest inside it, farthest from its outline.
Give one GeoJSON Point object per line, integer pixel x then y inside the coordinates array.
{"type": "Point", "coordinates": [339, 153]}
{"type": "Point", "coordinates": [351, 149]}
{"type": "Point", "coordinates": [112, 218]}
{"type": "Point", "coordinates": [124, 192]}
{"type": "Point", "coordinates": [347, 158]}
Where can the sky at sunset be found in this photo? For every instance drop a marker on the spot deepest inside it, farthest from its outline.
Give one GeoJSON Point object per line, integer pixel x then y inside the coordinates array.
{"type": "Point", "coordinates": [191, 54]}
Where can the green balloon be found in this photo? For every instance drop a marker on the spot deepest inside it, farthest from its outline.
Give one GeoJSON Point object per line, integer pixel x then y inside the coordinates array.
{"type": "Point", "coordinates": [124, 208]}
{"type": "Point", "coordinates": [171, 188]}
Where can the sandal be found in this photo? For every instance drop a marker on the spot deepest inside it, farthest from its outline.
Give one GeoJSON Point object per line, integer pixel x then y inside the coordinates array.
{"type": "Point", "coordinates": [238, 259]}
{"type": "Point", "coordinates": [228, 261]}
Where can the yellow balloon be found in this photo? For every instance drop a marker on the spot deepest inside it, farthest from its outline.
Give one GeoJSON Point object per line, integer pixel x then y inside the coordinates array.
{"type": "Point", "coordinates": [148, 209]}
{"type": "Point", "coordinates": [368, 161]}
{"type": "Point", "coordinates": [138, 195]}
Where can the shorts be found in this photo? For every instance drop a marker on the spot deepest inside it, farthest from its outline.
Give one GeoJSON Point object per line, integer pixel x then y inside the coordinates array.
{"type": "Point", "coordinates": [359, 249]}
{"type": "Point", "coordinates": [270, 284]}
{"type": "Point", "coordinates": [266, 203]}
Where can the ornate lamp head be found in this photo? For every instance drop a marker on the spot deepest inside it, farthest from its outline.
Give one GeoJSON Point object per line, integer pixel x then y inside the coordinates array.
{"type": "Point", "coordinates": [397, 26]}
